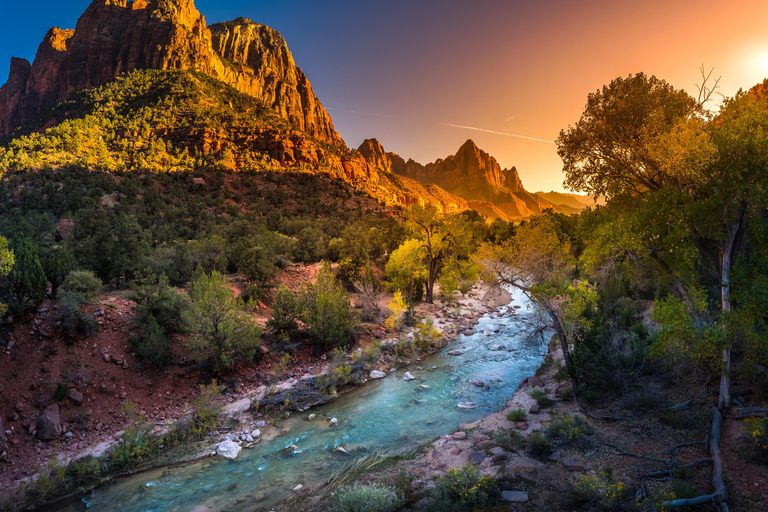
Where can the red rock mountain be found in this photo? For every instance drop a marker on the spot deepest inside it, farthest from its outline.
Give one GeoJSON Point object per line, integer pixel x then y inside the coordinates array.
{"type": "Point", "coordinates": [471, 174]}
{"type": "Point", "coordinates": [118, 36]}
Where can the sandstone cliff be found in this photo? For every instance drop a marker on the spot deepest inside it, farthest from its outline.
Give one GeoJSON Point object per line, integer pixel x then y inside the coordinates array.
{"type": "Point", "coordinates": [117, 36]}
{"type": "Point", "coordinates": [471, 174]}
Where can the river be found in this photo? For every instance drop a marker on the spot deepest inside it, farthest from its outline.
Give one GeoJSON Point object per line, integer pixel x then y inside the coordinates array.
{"type": "Point", "coordinates": [382, 416]}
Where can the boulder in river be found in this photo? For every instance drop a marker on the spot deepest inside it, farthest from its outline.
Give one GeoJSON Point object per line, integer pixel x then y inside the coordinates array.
{"type": "Point", "coordinates": [408, 376]}
{"type": "Point", "coordinates": [456, 352]}
{"type": "Point", "coordinates": [228, 449]}
{"type": "Point", "coordinates": [477, 383]}
{"type": "Point", "coordinates": [468, 332]}
{"type": "Point", "coordinates": [466, 405]}
{"type": "Point", "coordinates": [376, 374]}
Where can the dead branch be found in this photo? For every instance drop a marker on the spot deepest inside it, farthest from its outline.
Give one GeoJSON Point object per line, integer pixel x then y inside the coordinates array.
{"type": "Point", "coordinates": [720, 495]}
{"type": "Point", "coordinates": [595, 416]}
{"type": "Point", "coordinates": [740, 414]}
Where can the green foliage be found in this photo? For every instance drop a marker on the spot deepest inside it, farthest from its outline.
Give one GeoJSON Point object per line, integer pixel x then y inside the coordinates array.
{"type": "Point", "coordinates": [539, 446]}
{"type": "Point", "coordinates": [108, 242]}
{"type": "Point", "coordinates": [83, 282]}
{"type": "Point", "coordinates": [516, 415]}
{"type": "Point", "coordinates": [155, 297]}
{"type": "Point", "coordinates": [74, 322]}
{"type": "Point", "coordinates": [568, 429]}
{"type": "Point", "coordinates": [327, 312]}
{"type": "Point", "coordinates": [509, 439]}
{"type": "Point", "coordinates": [339, 374]}
{"type": "Point", "coordinates": [365, 498]}
{"type": "Point", "coordinates": [456, 275]}
{"type": "Point", "coordinates": [57, 264]}
{"type": "Point", "coordinates": [369, 289]}
{"type": "Point", "coordinates": [61, 392]}
{"type": "Point", "coordinates": [6, 264]}
{"type": "Point", "coordinates": [426, 335]}
{"type": "Point", "coordinates": [23, 289]}
{"type": "Point", "coordinates": [207, 410]}
{"type": "Point", "coordinates": [599, 492]}
{"type": "Point", "coordinates": [541, 397]}
{"type": "Point", "coordinates": [222, 332]}
{"type": "Point", "coordinates": [405, 270]}
{"type": "Point", "coordinates": [286, 311]}
{"type": "Point", "coordinates": [465, 486]}
{"type": "Point", "coordinates": [153, 346]}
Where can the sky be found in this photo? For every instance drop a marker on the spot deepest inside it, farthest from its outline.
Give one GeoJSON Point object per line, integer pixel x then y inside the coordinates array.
{"type": "Point", "coordinates": [424, 76]}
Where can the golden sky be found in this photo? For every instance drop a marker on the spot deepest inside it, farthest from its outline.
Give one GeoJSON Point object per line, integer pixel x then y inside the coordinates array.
{"type": "Point", "coordinates": [416, 73]}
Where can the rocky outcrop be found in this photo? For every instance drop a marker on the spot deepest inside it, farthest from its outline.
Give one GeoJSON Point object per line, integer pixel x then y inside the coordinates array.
{"type": "Point", "coordinates": [261, 65]}
{"type": "Point", "coordinates": [118, 36]}
{"type": "Point", "coordinates": [49, 423]}
{"type": "Point", "coordinates": [470, 174]}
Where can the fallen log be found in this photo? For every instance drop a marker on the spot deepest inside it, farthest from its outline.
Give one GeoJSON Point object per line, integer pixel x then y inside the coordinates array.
{"type": "Point", "coordinates": [720, 496]}
{"type": "Point", "coordinates": [746, 412]}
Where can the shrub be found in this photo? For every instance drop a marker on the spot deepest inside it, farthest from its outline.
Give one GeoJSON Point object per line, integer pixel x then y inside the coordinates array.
{"type": "Point", "coordinates": [757, 432]}
{"type": "Point", "coordinates": [152, 346]}
{"type": "Point", "coordinates": [286, 311]}
{"type": "Point", "coordinates": [541, 397]}
{"type": "Point", "coordinates": [539, 447]}
{"type": "Point", "coordinates": [155, 297]}
{"type": "Point", "coordinates": [568, 429]}
{"type": "Point", "coordinates": [222, 332]}
{"type": "Point", "coordinates": [370, 289]}
{"type": "Point", "coordinates": [83, 472]}
{"type": "Point", "coordinates": [365, 498]}
{"type": "Point", "coordinates": [73, 321]}
{"type": "Point", "coordinates": [466, 486]}
{"type": "Point", "coordinates": [207, 410]}
{"type": "Point", "coordinates": [509, 439]}
{"type": "Point", "coordinates": [61, 392]}
{"type": "Point", "coordinates": [83, 282]}
{"type": "Point", "coordinates": [516, 415]}
{"type": "Point", "coordinates": [427, 334]}
{"type": "Point", "coordinates": [327, 311]}
{"type": "Point", "coordinates": [599, 492]}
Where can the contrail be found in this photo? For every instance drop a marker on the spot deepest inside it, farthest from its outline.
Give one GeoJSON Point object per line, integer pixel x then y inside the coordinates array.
{"type": "Point", "coordinates": [497, 133]}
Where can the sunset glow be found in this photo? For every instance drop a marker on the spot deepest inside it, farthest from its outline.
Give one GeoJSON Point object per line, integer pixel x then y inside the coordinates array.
{"type": "Point", "coordinates": [408, 72]}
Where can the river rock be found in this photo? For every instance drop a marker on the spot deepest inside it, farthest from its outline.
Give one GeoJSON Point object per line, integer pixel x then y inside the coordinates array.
{"type": "Point", "coordinates": [228, 449]}
{"type": "Point", "coordinates": [334, 421]}
{"type": "Point", "coordinates": [468, 332]}
{"type": "Point", "coordinates": [460, 435]}
{"type": "Point", "coordinates": [298, 488]}
{"type": "Point", "coordinates": [534, 409]}
{"type": "Point", "coordinates": [456, 352]}
{"type": "Point", "coordinates": [49, 423]}
{"type": "Point", "coordinates": [260, 424]}
{"type": "Point", "coordinates": [312, 416]}
{"type": "Point", "coordinates": [570, 464]}
{"type": "Point", "coordinates": [75, 396]}
{"type": "Point", "coordinates": [255, 433]}
{"type": "Point", "coordinates": [476, 457]}
{"type": "Point", "coordinates": [376, 374]}
{"type": "Point", "coordinates": [248, 438]}
{"type": "Point", "coordinates": [477, 383]}
{"type": "Point", "coordinates": [424, 386]}
{"type": "Point", "coordinates": [408, 376]}
{"type": "Point", "coordinates": [341, 449]}
{"type": "Point", "coordinates": [466, 405]}
{"type": "Point", "coordinates": [514, 496]}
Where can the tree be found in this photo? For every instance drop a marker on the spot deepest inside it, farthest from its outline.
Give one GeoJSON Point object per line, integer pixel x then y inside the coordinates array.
{"type": "Point", "coordinates": [442, 237]}
{"type": "Point", "coordinates": [57, 263]}
{"type": "Point", "coordinates": [327, 311]}
{"type": "Point", "coordinates": [538, 262]}
{"type": "Point", "coordinates": [608, 151]}
{"type": "Point", "coordinates": [222, 332]}
{"type": "Point", "coordinates": [6, 264]}
{"type": "Point", "coordinates": [405, 270]}
{"type": "Point", "coordinates": [25, 285]}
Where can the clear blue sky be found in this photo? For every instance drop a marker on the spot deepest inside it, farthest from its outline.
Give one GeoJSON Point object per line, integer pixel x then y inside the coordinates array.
{"type": "Point", "coordinates": [404, 70]}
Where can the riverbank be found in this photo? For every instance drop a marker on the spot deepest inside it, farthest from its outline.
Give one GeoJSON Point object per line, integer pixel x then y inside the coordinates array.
{"type": "Point", "coordinates": [243, 408]}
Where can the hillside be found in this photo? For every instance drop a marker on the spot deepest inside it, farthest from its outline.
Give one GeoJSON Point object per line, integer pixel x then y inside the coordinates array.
{"type": "Point", "coordinates": [149, 87]}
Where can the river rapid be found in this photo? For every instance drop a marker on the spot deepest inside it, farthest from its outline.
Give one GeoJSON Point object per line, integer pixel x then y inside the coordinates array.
{"type": "Point", "coordinates": [383, 416]}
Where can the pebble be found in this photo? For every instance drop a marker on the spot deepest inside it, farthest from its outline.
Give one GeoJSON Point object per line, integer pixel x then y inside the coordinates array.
{"type": "Point", "coordinates": [408, 376]}
{"type": "Point", "coordinates": [312, 416]}
{"type": "Point", "coordinates": [334, 421]}
{"type": "Point", "coordinates": [298, 488]}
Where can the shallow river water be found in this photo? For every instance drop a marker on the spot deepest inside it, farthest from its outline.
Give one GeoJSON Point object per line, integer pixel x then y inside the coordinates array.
{"type": "Point", "coordinates": [387, 415]}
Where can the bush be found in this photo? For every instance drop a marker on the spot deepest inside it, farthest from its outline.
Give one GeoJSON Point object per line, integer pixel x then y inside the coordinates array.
{"type": "Point", "coordinates": [427, 335]}
{"type": "Point", "coordinates": [83, 282]}
{"type": "Point", "coordinates": [466, 486]}
{"type": "Point", "coordinates": [365, 498]}
{"type": "Point", "coordinates": [327, 311]}
{"type": "Point", "coordinates": [510, 440]}
{"type": "Point", "coordinates": [221, 332]}
{"type": "Point", "coordinates": [539, 447]}
{"type": "Point", "coordinates": [599, 492]}
{"type": "Point", "coordinates": [757, 432]}
{"type": "Point", "coordinates": [61, 392]}
{"type": "Point", "coordinates": [73, 322]}
{"type": "Point", "coordinates": [541, 397]}
{"type": "Point", "coordinates": [286, 311]}
{"type": "Point", "coordinates": [207, 410]}
{"type": "Point", "coordinates": [155, 297]}
{"type": "Point", "coordinates": [568, 429]}
{"type": "Point", "coordinates": [152, 346]}
{"type": "Point", "coordinates": [370, 289]}
{"type": "Point", "coordinates": [516, 415]}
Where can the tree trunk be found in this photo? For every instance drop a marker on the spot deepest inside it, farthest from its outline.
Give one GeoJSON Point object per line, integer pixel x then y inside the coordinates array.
{"type": "Point", "coordinates": [726, 249]}
{"type": "Point", "coordinates": [563, 341]}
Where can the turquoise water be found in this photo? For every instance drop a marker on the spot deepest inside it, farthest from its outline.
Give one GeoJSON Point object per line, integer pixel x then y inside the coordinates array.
{"type": "Point", "coordinates": [386, 415]}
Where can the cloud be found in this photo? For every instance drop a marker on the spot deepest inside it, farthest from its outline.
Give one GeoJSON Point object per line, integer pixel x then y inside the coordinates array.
{"type": "Point", "coordinates": [497, 133]}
